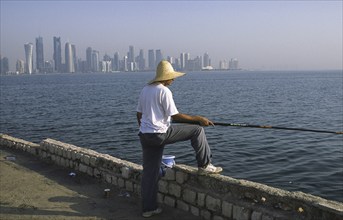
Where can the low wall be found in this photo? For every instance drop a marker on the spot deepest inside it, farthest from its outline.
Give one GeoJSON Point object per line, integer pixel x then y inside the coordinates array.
{"type": "Point", "coordinates": [212, 197]}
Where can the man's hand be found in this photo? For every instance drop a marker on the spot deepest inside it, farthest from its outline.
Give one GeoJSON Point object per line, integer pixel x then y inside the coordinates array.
{"type": "Point", "coordinates": [139, 117]}
{"type": "Point", "coordinates": [204, 121]}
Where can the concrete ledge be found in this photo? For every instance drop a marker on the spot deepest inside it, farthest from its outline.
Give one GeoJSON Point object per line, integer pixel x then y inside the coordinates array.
{"type": "Point", "coordinates": [210, 196]}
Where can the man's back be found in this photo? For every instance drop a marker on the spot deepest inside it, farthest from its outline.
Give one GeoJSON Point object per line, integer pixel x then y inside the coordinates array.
{"type": "Point", "coordinates": [156, 105]}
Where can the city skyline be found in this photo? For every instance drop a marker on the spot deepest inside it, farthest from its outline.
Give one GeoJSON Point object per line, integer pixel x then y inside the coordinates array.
{"type": "Point", "coordinates": [70, 62]}
{"type": "Point", "coordinates": [261, 34]}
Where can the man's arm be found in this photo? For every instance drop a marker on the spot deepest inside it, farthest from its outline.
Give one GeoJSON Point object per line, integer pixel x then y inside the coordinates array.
{"type": "Point", "coordinates": [192, 119]}
{"type": "Point", "coordinates": [139, 117]}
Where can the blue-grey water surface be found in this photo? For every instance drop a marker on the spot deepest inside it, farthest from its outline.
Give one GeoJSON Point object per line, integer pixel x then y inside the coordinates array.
{"type": "Point", "coordinates": [98, 111]}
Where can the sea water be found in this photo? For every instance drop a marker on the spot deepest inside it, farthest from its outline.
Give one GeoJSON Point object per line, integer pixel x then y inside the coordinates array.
{"type": "Point", "coordinates": [98, 111]}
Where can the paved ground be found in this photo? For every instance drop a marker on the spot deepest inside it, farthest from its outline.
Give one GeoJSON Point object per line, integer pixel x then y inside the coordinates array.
{"type": "Point", "coordinates": [33, 189]}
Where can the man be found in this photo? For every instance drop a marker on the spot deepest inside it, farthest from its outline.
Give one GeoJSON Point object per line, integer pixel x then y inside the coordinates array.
{"type": "Point", "coordinates": [155, 110]}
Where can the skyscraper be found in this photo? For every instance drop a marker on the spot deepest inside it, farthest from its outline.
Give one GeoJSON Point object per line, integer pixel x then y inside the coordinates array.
{"type": "Point", "coordinates": [141, 60]}
{"type": "Point", "coordinates": [39, 54]}
{"type": "Point", "coordinates": [57, 54]}
{"type": "Point", "coordinates": [187, 61]}
{"type": "Point", "coordinates": [223, 65]}
{"type": "Point", "coordinates": [182, 61]}
{"type": "Point", "coordinates": [29, 58]}
{"type": "Point", "coordinates": [4, 65]}
{"type": "Point", "coordinates": [206, 60]}
{"type": "Point", "coordinates": [20, 66]}
{"type": "Point", "coordinates": [89, 59]}
{"type": "Point", "coordinates": [106, 58]}
{"type": "Point", "coordinates": [159, 56]}
{"type": "Point", "coordinates": [131, 54]}
{"type": "Point", "coordinates": [125, 60]}
{"type": "Point", "coordinates": [106, 66]}
{"type": "Point", "coordinates": [95, 61]}
{"type": "Point", "coordinates": [116, 63]}
{"type": "Point", "coordinates": [233, 64]}
{"type": "Point", "coordinates": [193, 64]}
{"type": "Point", "coordinates": [69, 61]}
{"type": "Point", "coordinates": [170, 59]}
{"type": "Point", "coordinates": [152, 62]}
{"type": "Point", "coordinates": [73, 49]}
{"type": "Point", "coordinates": [131, 64]}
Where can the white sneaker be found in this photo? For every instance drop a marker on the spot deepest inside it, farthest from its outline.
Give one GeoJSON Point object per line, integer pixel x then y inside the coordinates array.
{"type": "Point", "coordinates": [151, 213]}
{"type": "Point", "coordinates": [209, 169]}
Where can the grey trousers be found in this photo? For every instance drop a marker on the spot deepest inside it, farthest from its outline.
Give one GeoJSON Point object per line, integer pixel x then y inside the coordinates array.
{"type": "Point", "coordinates": [153, 146]}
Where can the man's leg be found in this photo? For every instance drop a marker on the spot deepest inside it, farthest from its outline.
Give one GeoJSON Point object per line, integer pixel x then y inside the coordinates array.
{"type": "Point", "coordinates": [152, 156]}
{"type": "Point", "coordinates": [194, 133]}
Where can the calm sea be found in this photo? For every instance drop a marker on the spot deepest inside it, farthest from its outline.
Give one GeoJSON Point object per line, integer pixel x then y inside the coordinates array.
{"type": "Point", "coordinates": [97, 111]}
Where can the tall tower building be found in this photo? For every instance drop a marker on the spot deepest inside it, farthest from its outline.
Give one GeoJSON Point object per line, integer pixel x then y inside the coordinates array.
{"type": "Point", "coordinates": [182, 61]}
{"type": "Point", "coordinates": [141, 60]}
{"type": "Point", "coordinates": [116, 63]}
{"type": "Point", "coordinates": [73, 48]}
{"type": "Point", "coordinates": [233, 64]}
{"type": "Point", "coordinates": [152, 61]}
{"type": "Point", "coordinates": [106, 58]}
{"type": "Point", "coordinates": [20, 67]}
{"type": "Point", "coordinates": [39, 54]}
{"type": "Point", "coordinates": [89, 59]}
{"type": "Point", "coordinates": [170, 60]}
{"type": "Point", "coordinates": [69, 62]}
{"type": "Point", "coordinates": [4, 65]}
{"type": "Point", "coordinates": [223, 65]}
{"type": "Point", "coordinates": [187, 61]}
{"type": "Point", "coordinates": [57, 56]}
{"type": "Point", "coordinates": [125, 60]}
{"type": "Point", "coordinates": [176, 64]}
{"type": "Point", "coordinates": [131, 54]}
{"type": "Point", "coordinates": [95, 61]}
{"type": "Point", "coordinates": [159, 56]}
{"type": "Point", "coordinates": [131, 64]}
{"type": "Point", "coordinates": [29, 58]}
{"type": "Point", "coordinates": [206, 60]}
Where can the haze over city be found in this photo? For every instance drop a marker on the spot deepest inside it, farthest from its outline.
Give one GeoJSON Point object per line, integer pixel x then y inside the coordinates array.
{"type": "Point", "coordinates": [280, 35]}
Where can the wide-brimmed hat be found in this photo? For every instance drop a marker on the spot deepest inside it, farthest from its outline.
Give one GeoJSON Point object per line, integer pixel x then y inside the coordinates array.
{"type": "Point", "coordinates": [165, 71]}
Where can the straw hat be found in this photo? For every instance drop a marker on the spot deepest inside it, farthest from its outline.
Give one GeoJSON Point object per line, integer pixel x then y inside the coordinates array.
{"type": "Point", "coordinates": [165, 71]}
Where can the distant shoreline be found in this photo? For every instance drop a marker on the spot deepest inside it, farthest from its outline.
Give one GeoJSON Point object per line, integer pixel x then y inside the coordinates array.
{"type": "Point", "coordinates": [152, 71]}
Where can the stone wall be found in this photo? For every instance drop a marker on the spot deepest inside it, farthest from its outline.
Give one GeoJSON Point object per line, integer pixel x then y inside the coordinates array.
{"type": "Point", "coordinates": [211, 197]}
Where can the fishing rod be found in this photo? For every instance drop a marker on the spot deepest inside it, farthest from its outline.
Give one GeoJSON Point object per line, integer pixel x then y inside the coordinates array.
{"type": "Point", "coordinates": [268, 127]}
{"type": "Point", "coordinates": [276, 127]}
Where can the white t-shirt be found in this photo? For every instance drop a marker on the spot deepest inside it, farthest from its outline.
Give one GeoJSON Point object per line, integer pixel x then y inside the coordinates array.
{"type": "Point", "coordinates": [157, 105]}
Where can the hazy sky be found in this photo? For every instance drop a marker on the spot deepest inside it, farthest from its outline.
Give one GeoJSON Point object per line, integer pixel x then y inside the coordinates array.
{"type": "Point", "coordinates": [260, 34]}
